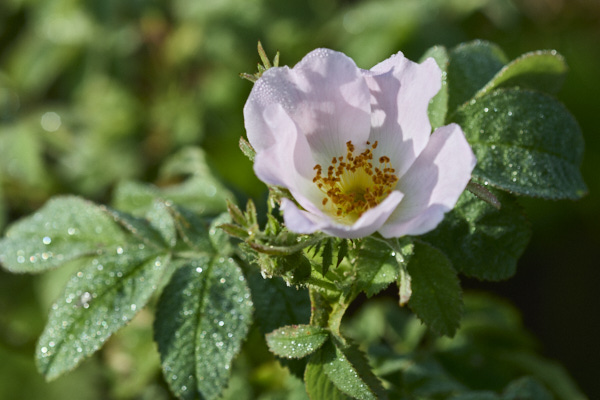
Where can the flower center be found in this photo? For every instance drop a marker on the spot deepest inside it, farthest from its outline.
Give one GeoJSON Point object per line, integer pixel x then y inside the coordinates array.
{"type": "Point", "coordinates": [353, 184]}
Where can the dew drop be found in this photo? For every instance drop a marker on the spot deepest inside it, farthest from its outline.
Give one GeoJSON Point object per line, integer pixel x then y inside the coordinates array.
{"type": "Point", "coordinates": [119, 250]}
{"type": "Point", "coordinates": [46, 240]}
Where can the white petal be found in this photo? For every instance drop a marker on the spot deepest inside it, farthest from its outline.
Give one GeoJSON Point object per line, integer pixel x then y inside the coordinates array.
{"type": "Point", "coordinates": [324, 94]}
{"type": "Point", "coordinates": [305, 222]}
{"type": "Point", "coordinates": [400, 94]}
{"type": "Point", "coordinates": [287, 161]}
{"type": "Point", "coordinates": [433, 183]}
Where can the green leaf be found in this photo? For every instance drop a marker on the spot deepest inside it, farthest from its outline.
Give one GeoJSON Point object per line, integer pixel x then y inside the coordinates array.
{"type": "Point", "coordinates": [106, 293]}
{"type": "Point", "coordinates": [318, 384]}
{"type": "Point", "coordinates": [161, 219]}
{"type": "Point", "coordinates": [544, 70]}
{"type": "Point", "coordinates": [64, 229]}
{"type": "Point", "coordinates": [438, 106]}
{"type": "Point", "coordinates": [218, 237]}
{"type": "Point", "coordinates": [472, 65]}
{"type": "Point", "coordinates": [551, 373]}
{"type": "Point", "coordinates": [296, 341]}
{"type": "Point", "coordinates": [526, 388]}
{"type": "Point", "coordinates": [202, 318]}
{"type": "Point", "coordinates": [21, 154]}
{"type": "Point", "coordinates": [426, 377]}
{"type": "Point", "coordinates": [376, 265]}
{"type": "Point", "coordinates": [349, 371]}
{"type": "Point", "coordinates": [276, 304]}
{"type": "Point", "coordinates": [193, 231]}
{"type": "Point", "coordinates": [436, 295]}
{"type": "Point", "coordinates": [480, 240]}
{"type": "Point", "coordinates": [477, 395]}
{"type": "Point", "coordinates": [525, 142]}
{"type": "Point", "coordinates": [196, 188]}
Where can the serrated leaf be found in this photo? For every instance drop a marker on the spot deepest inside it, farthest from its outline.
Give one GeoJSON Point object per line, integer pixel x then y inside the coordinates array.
{"type": "Point", "coordinates": [349, 371]}
{"type": "Point", "coordinates": [438, 106]}
{"type": "Point", "coordinates": [192, 230]}
{"type": "Point", "coordinates": [318, 385]}
{"type": "Point", "coordinates": [277, 304]}
{"type": "Point", "coordinates": [480, 240]}
{"type": "Point", "coordinates": [296, 341]}
{"type": "Point", "coordinates": [198, 195]}
{"type": "Point", "coordinates": [472, 65]}
{"type": "Point", "coordinates": [196, 188]}
{"type": "Point", "coordinates": [105, 294]}
{"type": "Point", "coordinates": [202, 318]}
{"type": "Point", "coordinates": [525, 142]}
{"type": "Point", "coordinates": [376, 265]}
{"type": "Point", "coordinates": [160, 218]}
{"type": "Point", "coordinates": [138, 227]}
{"type": "Point", "coordinates": [64, 229]}
{"type": "Point", "coordinates": [436, 295]}
{"type": "Point", "coordinates": [543, 70]}
{"type": "Point", "coordinates": [218, 237]}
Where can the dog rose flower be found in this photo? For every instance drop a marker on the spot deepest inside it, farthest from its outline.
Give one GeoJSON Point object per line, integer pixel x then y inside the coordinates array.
{"type": "Point", "coordinates": [354, 147]}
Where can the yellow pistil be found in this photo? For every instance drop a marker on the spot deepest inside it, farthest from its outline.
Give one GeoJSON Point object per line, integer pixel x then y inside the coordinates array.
{"type": "Point", "coordinates": [352, 184]}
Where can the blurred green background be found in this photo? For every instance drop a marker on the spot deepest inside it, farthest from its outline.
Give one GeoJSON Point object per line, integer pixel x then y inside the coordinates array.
{"type": "Point", "coordinates": [96, 91]}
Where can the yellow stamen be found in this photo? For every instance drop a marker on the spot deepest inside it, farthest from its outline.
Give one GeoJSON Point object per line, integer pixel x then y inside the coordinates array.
{"type": "Point", "coordinates": [353, 186]}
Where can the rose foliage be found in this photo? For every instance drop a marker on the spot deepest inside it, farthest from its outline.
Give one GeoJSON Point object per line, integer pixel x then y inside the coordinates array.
{"type": "Point", "coordinates": [398, 178]}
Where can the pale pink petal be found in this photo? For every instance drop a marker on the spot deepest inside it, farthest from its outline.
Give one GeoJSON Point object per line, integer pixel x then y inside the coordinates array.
{"type": "Point", "coordinates": [287, 161]}
{"type": "Point", "coordinates": [324, 94]}
{"type": "Point", "coordinates": [433, 183]}
{"type": "Point", "coordinates": [300, 221]}
{"type": "Point", "coordinates": [400, 94]}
